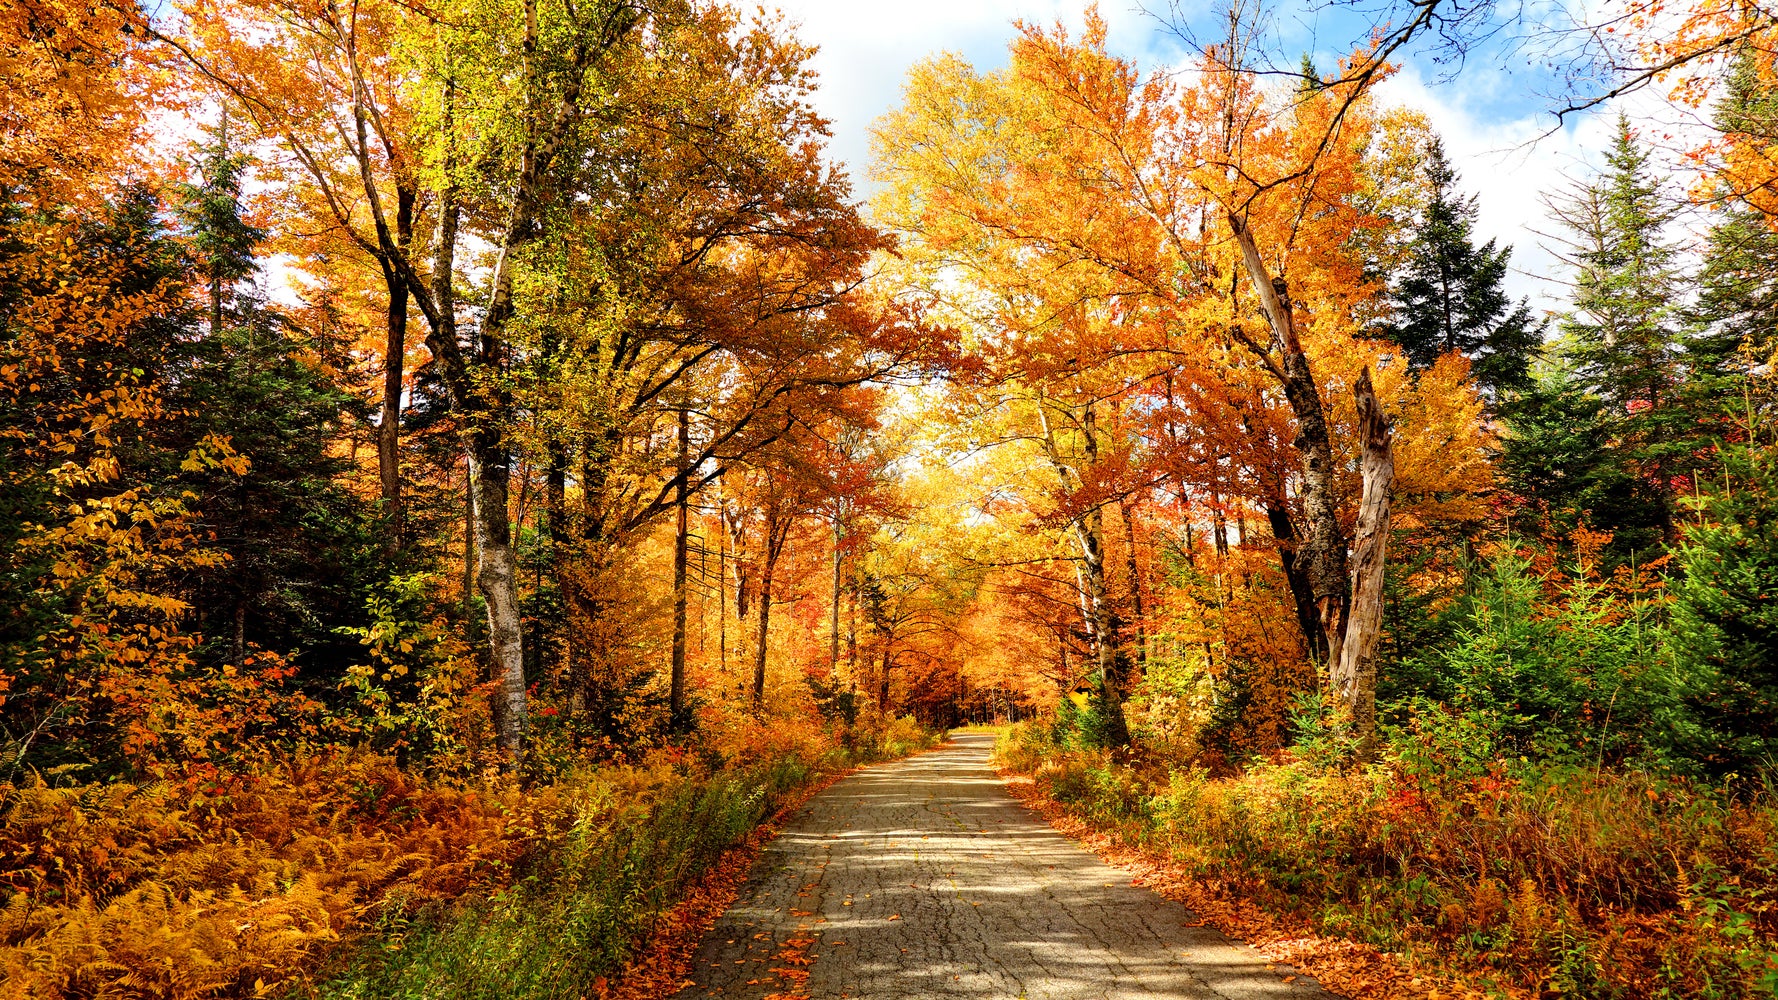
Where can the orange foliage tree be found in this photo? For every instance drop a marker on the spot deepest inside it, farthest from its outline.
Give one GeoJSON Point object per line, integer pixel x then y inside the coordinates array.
{"type": "Point", "coordinates": [1069, 193]}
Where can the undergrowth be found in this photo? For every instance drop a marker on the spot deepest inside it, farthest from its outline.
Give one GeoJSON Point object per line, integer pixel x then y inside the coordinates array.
{"type": "Point", "coordinates": [1562, 880]}
{"type": "Point", "coordinates": [345, 875]}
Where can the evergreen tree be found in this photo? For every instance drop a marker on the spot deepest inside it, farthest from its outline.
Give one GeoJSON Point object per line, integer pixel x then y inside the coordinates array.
{"type": "Point", "coordinates": [1738, 300]}
{"type": "Point", "coordinates": [1724, 623]}
{"type": "Point", "coordinates": [1558, 457]}
{"type": "Point", "coordinates": [1626, 312]}
{"type": "Point", "coordinates": [1451, 294]}
{"type": "Point", "coordinates": [304, 550]}
{"type": "Point", "coordinates": [1621, 347]}
{"type": "Point", "coordinates": [218, 232]}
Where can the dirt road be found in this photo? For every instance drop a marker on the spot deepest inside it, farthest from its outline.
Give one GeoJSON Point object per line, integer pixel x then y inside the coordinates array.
{"type": "Point", "coordinates": [925, 878]}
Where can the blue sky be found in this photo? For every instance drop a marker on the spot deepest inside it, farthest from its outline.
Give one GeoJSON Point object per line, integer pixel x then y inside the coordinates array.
{"type": "Point", "coordinates": [1489, 116]}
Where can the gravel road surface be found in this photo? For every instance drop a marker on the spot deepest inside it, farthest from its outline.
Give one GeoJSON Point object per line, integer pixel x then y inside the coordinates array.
{"type": "Point", "coordinates": [925, 878]}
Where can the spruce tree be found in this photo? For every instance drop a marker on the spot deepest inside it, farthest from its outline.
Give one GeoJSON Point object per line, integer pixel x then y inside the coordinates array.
{"type": "Point", "coordinates": [1621, 342]}
{"type": "Point", "coordinates": [1451, 293]}
{"type": "Point", "coordinates": [217, 229]}
{"type": "Point", "coordinates": [1738, 300]}
{"type": "Point", "coordinates": [1558, 458]}
{"type": "Point", "coordinates": [303, 546]}
{"type": "Point", "coordinates": [1625, 321]}
{"type": "Point", "coordinates": [1724, 625]}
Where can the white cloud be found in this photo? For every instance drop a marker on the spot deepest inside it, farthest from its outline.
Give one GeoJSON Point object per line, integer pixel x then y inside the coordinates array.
{"type": "Point", "coordinates": [866, 50]}
{"type": "Point", "coordinates": [1511, 166]}
{"type": "Point", "coordinates": [1514, 164]}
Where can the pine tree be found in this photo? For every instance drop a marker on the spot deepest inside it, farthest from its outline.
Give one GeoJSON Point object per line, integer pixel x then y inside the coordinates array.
{"type": "Point", "coordinates": [1738, 301]}
{"type": "Point", "coordinates": [219, 233]}
{"type": "Point", "coordinates": [1558, 457]}
{"type": "Point", "coordinates": [1451, 294]}
{"type": "Point", "coordinates": [304, 550]}
{"type": "Point", "coordinates": [1724, 623]}
{"type": "Point", "coordinates": [1621, 342]}
{"type": "Point", "coordinates": [1626, 302]}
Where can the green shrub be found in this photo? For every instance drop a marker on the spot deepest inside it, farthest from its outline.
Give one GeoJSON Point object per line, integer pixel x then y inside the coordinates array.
{"type": "Point", "coordinates": [1580, 677]}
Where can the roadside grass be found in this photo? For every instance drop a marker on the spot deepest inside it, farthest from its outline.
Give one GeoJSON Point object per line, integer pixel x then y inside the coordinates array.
{"type": "Point", "coordinates": [561, 931]}
{"type": "Point", "coordinates": [566, 929]}
{"type": "Point", "coordinates": [1548, 881]}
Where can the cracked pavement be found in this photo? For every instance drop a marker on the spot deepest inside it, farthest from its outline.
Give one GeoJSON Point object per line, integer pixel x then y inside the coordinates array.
{"type": "Point", "coordinates": [926, 878]}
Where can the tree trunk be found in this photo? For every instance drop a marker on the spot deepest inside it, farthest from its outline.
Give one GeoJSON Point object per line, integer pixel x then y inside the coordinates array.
{"type": "Point", "coordinates": [883, 684]}
{"type": "Point", "coordinates": [721, 590]}
{"type": "Point", "coordinates": [1137, 615]}
{"type": "Point", "coordinates": [468, 534]}
{"type": "Point", "coordinates": [738, 563]}
{"type": "Point", "coordinates": [1090, 535]}
{"type": "Point", "coordinates": [555, 500]}
{"type": "Point", "coordinates": [1354, 681]}
{"type": "Point", "coordinates": [676, 686]}
{"type": "Point", "coordinates": [777, 530]}
{"type": "Point", "coordinates": [240, 644]}
{"type": "Point", "coordinates": [1302, 595]}
{"type": "Point", "coordinates": [833, 643]}
{"type": "Point", "coordinates": [490, 463]}
{"type": "Point", "coordinates": [1322, 556]}
{"type": "Point", "coordinates": [497, 579]}
{"type": "Point", "coordinates": [758, 691]}
{"type": "Point", "coordinates": [852, 637]}
{"type": "Point", "coordinates": [394, 369]}
{"type": "Point", "coordinates": [1101, 618]}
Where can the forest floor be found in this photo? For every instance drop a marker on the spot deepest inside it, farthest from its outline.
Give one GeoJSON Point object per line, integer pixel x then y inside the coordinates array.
{"type": "Point", "coordinates": [926, 878]}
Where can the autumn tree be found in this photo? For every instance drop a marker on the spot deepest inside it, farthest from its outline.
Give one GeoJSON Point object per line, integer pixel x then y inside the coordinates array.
{"type": "Point", "coordinates": [328, 86]}
{"type": "Point", "coordinates": [714, 271]}
{"type": "Point", "coordinates": [1070, 182]}
{"type": "Point", "coordinates": [1621, 347]}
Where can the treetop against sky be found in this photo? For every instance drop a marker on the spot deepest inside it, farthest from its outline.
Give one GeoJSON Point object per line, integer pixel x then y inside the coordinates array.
{"type": "Point", "coordinates": [1494, 107]}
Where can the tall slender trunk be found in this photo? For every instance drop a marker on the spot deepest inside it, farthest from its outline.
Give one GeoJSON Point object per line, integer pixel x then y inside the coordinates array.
{"type": "Point", "coordinates": [497, 579]}
{"type": "Point", "coordinates": [468, 534]}
{"type": "Point", "coordinates": [490, 462]}
{"type": "Point", "coordinates": [676, 685]}
{"type": "Point", "coordinates": [883, 681]}
{"type": "Point", "coordinates": [1354, 680]}
{"type": "Point", "coordinates": [776, 530]}
{"type": "Point", "coordinates": [721, 589]}
{"type": "Point", "coordinates": [833, 642]}
{"type": "Point", "coordinates": [1137, 614]}
{"type": "Point", "coordinates": [240, 644]}
{"type": "Point", "coordinates": [852, 636]}
{"type": "Point", "coordinates": [555, 501]}
{"type": "Point", "coordinates": [1113, 684]}
{"type": "Point", "coordinates": [1219, 525]}
{"type": "Point", "coordinates": [1089, 536]}
{"type": "Point", "coordinates": [389, 430]}
{"type": "Point", "coordinates": [757, 693]}
{"type": "Point", "coordinates": [394, 371]}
